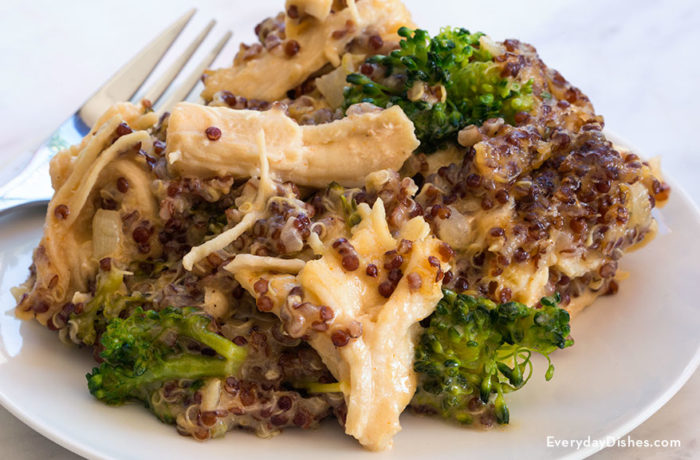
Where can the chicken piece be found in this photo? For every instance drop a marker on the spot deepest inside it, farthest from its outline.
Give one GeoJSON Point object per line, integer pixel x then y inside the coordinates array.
{"type": "Point", "coordinates": [359, 305]}
{"type": "Point", "coordinates": [344, 151]}
{"type": "Point", "coordinates": [317, 37]}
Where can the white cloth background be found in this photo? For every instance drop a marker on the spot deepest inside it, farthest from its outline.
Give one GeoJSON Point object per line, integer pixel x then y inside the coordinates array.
{"type": "Point", "coordinates": [636, 60]}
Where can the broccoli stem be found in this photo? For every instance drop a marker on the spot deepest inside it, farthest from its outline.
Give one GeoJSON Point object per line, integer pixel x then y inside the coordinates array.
{"type": "Point", "coordinates": [112, 385]}
{"type": "Point", "coordinates": [223, 346]}
{"type": "Point", "coordinates": [315, 387]}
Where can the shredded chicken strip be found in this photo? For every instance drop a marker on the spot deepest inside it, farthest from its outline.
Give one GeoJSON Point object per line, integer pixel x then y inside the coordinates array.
{"type": "Point", "coordinates": [376, 367]}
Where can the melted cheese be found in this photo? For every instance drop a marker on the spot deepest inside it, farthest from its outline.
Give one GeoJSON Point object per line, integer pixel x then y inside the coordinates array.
{"type": "Point", "coordinates": [251, 262]}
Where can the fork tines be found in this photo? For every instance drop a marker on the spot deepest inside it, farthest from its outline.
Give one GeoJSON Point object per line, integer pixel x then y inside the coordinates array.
{"type": "Point", "coordinates": [129, 79]}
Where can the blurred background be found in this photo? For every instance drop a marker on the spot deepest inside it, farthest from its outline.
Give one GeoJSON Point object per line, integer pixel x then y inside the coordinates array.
{"type": "Point", "coordinates": [636, 60]}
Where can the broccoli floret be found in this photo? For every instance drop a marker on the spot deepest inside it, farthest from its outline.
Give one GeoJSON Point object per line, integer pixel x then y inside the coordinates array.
{"type": "Point", "coordinates": [149, 347]}
{"type": "Point", "coordinates": [474, 348]}
{"type": "Point", "coordinates": [463, 81]}
{"type": "Point", "coordinates": [108, 302]}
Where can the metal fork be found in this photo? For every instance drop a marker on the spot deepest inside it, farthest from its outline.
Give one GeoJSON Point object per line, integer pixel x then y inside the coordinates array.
{"type": "Point", "coordinates": [32, 186]}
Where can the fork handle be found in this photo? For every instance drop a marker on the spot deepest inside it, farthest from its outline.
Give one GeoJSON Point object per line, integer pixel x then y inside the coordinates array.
{"type": "Point", "coordinates": [32, 186]}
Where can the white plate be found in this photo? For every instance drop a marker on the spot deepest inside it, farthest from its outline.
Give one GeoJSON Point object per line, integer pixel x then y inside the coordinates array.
{"type": "Point", "coordinates": [633, 352]}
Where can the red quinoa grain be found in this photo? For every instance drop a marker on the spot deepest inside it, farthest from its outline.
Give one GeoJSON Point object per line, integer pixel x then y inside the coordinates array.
{"type": "Point", "coordinates": [264, 303]}
{"type": "Point", "coordinates": [61, 211]}
{"type": "Point", "coordinates": [414, 281]}
{"type": "Point", "coordinates": [213, 133]}
{"type": "Point", "coordinates": [122, 185]}
{"type": "Point", "coordinates": [291, 48]}
{"type": "Point", "coordinates": [340, 338]}
{"type": "Point", "coordinates": [372, 271]}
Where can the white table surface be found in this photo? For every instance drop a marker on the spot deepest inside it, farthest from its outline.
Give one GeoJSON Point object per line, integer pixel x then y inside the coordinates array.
{"type": "Point", "coordinates": [636, 60]}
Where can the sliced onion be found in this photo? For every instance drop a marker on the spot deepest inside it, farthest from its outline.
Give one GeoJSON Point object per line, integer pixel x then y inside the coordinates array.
{"type": "Point", "coordinates": [106, 233]}
{"type": "Point", "coordinates": [486, 43]}
{"type": "Point", "coordinates": [211, 392]}
{"type": "Point", "coordinates": [332, 85]}
{"type": "Point", "coordinates": [290, 237]}
{"type": "Point", "coordinates": [456, 230]}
